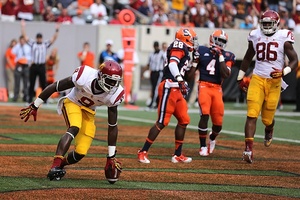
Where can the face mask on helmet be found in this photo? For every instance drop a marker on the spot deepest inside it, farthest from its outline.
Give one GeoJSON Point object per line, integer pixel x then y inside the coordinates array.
{"type": "Point", "coordinates": [188, 37]}
{"type": "Point", "coordinates": [110, 75]}
{"type": "Point", "coordinates": [219, 39]}
{"type": "Point", "coordinates": [269, 22]}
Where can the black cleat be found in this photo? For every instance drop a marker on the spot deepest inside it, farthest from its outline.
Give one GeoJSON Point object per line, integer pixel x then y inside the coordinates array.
{"type": "Point", "coordinates": [56, 173]}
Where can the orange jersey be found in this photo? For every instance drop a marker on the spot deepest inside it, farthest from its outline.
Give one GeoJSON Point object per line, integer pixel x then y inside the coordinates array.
{"type": "Point", "coordinates": [89, 59]}
{"type": "Point", "coordinates": [11, 57]}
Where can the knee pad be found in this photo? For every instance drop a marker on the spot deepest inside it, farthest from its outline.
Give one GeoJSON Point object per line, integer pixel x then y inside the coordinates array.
{"type": "Point", "coordinates": [216, 129]}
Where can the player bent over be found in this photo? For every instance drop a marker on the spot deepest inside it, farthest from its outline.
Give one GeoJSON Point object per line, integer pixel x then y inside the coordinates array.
{"type": "Point", "coordinates": [89, 88]}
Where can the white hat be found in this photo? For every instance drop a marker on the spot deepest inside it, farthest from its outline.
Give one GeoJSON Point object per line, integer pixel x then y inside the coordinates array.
{"type": "Point", "coordinates": [298, 7]}
{"type": "Point", "coordinates": [109, 42]}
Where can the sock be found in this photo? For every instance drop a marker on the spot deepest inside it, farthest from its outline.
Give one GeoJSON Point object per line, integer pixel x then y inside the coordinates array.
{"type": "Point", "coordinates": [202, 139]}
{"type": "Point", "coordinates": [147, 145]}
{"type": "Point", "coordinates": [249, 144]}
{"type": "Point", "coordinates": [178, 147]}
{"type": "Point", "coordinates": [111, 151]}
{"type": "Point", "coordinates": [213, 135]}
{"type": "Point", "coordinates": [57, 161]}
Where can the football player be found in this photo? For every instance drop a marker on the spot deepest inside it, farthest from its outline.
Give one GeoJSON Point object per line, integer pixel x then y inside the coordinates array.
{"type": "Point", "coordinates": [214, 65]}
{"type": "Point", "coordinates": [89, 88]}
{"type": "Point", "coordinates": [270, 45]}
{"type": "Point", "coordinates": [171, 91]}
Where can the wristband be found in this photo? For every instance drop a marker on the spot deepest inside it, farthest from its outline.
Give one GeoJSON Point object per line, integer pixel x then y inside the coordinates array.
{"type": "Point", "coordinates": [179, 78]}
{"type": "Point", "coordinates": [194, 64]}
{"type": "Point", "coordinates": [287, 70]}
{"type": "Point", "coordinates": [241, 75]}
{"type": "Point", "coordinates": [221, 58]}
{"type": "Point", "coordinates": [38, 102]}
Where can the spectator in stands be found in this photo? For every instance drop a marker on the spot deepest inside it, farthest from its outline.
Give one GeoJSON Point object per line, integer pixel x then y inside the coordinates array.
{"type": "Point", "coordinates": [296, 18]}
{"type": "Point", "coordinates": [159, 18]}
{"type": "Point", "coordinates": [243, 9]}
{"type": "Point", "coordinates": [98, 9]}
{"type": "Point", "coordinates": [99, 20]}
{"type": "Point", "coordinates": [25, 10]}
{"type": "Point", "coordinates": [86, 57]}
{"type": "Point", "coordinates": [247, 23]}
{"type": "Point", "coordinates": [48, 15]}
{"type": "Point", "coordinates": [108, 54]}
{"type": "Point", "coordinates": [70, 5]}
{"type": "Point", "coordinates": [135, 4]}
{"type": "Point", "coordinates": [64, 17]}
{"type": "Point", "coordinates": [10, 68]}
{"type": "Point", "coordinates": [8, 10]}
{"type": "Point", "coordinates": [273, 5]}
{"type": "Point", "coordinates": [199, 14]}
{"type": "Point", "coordinates": [39, 8]}
{"type": "Point", "coordinates": [115, 20]}
{"type": "Point", "coordinates": [145, 9]}
{"type": "Point", "coordinates": [186, 21]}
{"type": "Point", "coordinates": [178, 7]}
{"type": "Point", "coordinates": [228, 21]}
{"type": "Point", "coordinates": [117, 6]}
{"type": "Point", "coordinates": [78, 18]}
{"type": "Point", "coordinates": [85, 5]}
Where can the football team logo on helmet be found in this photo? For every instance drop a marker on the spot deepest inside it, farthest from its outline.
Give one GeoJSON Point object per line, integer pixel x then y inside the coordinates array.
{"type": "Point", "coordinates": [188, 36]}
{"type": "Point", "coordinates": [218, 39]}
{"type": "Point", "coordinates": [110, 75]}
{"type": "Point", "coordinates": [269, 22]}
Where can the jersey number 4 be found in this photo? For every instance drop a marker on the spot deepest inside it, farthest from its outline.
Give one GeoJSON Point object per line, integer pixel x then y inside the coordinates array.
{"type": "Point", "coordinates": [266, 51]}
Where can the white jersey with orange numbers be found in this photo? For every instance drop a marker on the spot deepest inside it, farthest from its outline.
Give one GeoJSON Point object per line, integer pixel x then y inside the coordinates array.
{"type": "Point", "coordinates": [84, 93]}
{"type": "Point", "coordinates": [269, 50]}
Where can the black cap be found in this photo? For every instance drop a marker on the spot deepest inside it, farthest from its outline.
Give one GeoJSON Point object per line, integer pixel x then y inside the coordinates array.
{"type": "Point", "coordinates": [39, 35]}
{"type": "Point", "coordinates": [156, 44]}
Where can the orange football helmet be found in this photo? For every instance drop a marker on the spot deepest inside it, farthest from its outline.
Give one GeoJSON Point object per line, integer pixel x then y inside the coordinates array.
{"type": "Point", "coordinates": [188, 36]}
{"type": "Point", "coordinates": [218, 39]}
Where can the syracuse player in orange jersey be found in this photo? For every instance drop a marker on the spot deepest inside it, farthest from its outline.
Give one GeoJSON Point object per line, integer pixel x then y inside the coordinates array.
{"type": "Point", "coordinates": [270, 46]}
{"type": "Point", "coordinates": [171, 94]}
{"type": "Point", "coordinates": [214, 64]}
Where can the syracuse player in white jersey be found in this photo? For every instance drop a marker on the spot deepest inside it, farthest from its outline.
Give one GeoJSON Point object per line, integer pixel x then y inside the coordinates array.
{"type": "Point", "coordinates": [270, 46]}
{"type": "Point", "coordinates": [90, 88]}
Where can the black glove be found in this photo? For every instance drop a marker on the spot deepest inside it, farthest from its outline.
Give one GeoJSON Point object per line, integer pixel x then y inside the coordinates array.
{"type": "Point", "coordinates": [30, 110]}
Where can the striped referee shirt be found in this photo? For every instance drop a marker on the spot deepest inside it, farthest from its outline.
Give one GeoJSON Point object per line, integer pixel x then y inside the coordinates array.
{"type": "Point", "coordinates": [157, 60]}
{"type": "Point", "coordinates": [39, 51]}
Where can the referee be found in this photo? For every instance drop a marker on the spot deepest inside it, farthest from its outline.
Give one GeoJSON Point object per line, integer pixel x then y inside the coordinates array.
{"type": "Point", "coordinates": [155, 65]}
{"type": "Point", "coordinates": [38, 55]}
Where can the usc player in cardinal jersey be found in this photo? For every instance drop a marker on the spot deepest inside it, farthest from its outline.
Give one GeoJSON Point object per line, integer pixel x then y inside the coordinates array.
{"type": "Point", "coordinates": [89, 88]}
{"type": "Point", "coordinates": [270, 45]}
{"type": "Point", "coordinates": [171, 93]}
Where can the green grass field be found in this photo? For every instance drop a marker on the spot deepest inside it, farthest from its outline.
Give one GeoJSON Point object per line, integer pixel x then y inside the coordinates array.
{"type": "Point", "coordinates": [47, 135]}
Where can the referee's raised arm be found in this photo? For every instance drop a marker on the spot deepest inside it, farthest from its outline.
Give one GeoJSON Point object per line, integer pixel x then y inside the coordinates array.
{"type": "Point", "coordinates": [52, 40]}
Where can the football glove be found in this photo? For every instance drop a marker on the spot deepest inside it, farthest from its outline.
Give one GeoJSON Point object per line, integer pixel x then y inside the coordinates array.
{"type": "Point", "coordinates": [183, 86]}
{"type": "Point", "coordinates": [216, 50]}
{"type": "Point", "coordinates": [112, 169]}
{"type": "Point", "coordinates": [244, 84]}
{"type": "Point", "coordinates": [30, 110]}
{"type": "Point", "coordinates": [277, 73]}
{"type": "Point", "coordinates": [196, 56]}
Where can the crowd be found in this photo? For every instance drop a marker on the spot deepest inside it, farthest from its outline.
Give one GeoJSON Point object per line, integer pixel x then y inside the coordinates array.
{"type": "Point", "coordinates": [237, 14]}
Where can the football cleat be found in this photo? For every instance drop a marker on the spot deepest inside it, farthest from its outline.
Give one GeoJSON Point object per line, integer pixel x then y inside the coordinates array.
{"type": "Point", "coordinates": [268, 138]}
{"type": "Point", "coordinates": [181, 158]}
{"type": "Point", "coordinates": [203, 151]}
{"type": "Point", "coordinates": [143, 157]}
{"type": "Point", "coordinates": [56, 173]}
{"type": "Point", "coordinates": [248, 156]}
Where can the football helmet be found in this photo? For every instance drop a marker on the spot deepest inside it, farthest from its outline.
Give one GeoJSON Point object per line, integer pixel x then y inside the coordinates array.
{"type": "Point", "coordinates": [269, 22]}
{"type": "Point", "coordinates": [188, 36]}
{"type": "Point", "coordinates": [109, 75]}
{"type": "Point", "coordinates": [218, 39]}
